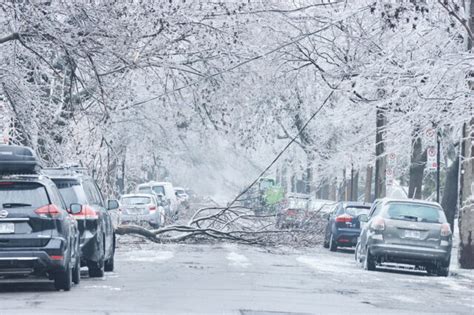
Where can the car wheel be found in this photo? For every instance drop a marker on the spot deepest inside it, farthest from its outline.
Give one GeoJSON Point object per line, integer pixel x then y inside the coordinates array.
{"type": "Point", "coordinates": [332, 244]}
{"type": "Point", "coordinates": [369, 262]}
{"type": "Point", "coordinates": [76, 272]}
{"type": "Point", "coordinates": [356, 253]}
{"type": "Point", "coordinates": [96, 269]}
{"type": "Point", "coordinates": [109, 264]}
{"type": "Point", "coordinates": [442, 271]}
{"type": "Point", "coordinates": [326, 243]}
{"type": "Point", "coordinates": [63, 279]}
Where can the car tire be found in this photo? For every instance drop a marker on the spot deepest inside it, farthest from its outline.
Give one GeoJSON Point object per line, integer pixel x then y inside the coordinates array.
{"type": "Point", "coordinates": [332, 244]}
{"type": "Point", "coordinates": [325, 244]}
{"type": "Point", "coordinates": [369, 261]}
{"type": "Point", "coordinates": [96, 269]}
{"type": "Point", "coordinates": [76, 271]}
{"type": "Point", "coordinates": [356, 253]}
{"type": "Point", "coordinates": [442, 271]}
{"type": "Point", "coordinates": [63, 279]}
{"type": "Point", "coordinates": [109, 264]}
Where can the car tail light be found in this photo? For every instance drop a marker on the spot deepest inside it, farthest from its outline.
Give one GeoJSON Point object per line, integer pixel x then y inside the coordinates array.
{"type": "Point", "coordinates": [291, 212]}
{"type": "Point", "coordinates": [56, 257]}
{"type": "Point", "coordinates": [344, 218]}
{"type": "Point", "coordinates": [49, 211]}
{"type": "Point", "coordinates": [445, 229]}
{"type": "Point", "coordinates": [378, 224]}
{"type": "Point", "coordinates": [152, 209]}
{"type": "Point", "coordinates": [87, 213]}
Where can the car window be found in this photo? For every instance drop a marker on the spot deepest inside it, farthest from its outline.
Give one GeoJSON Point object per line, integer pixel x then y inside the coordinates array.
{"type": "Point", "coordinates": [56, 198]}
{"type": "Point", "coordinates": [91, 192]}
{"type": "Point", "coordinates": [297, 203]}
{"type": "Point", "coordinates": [71, 191]}
{"type": "Point", "coordinates": [375, 210]}
{"type": "Point", "coordinates": [339, 209]}
{"type": "Point", "coordinates": [99, 192]}
{"type": "Point", "coordinates": [145, 189]}
{"type": "Point", "coordinates": [414, 212]}
{"type": "Point", "coordinates": [18, 194]}
{"type": "Point", "coordinates": [159, 190]}
{"type": "Point", "coordinates": [136, 200]}
{"type": "Point", "coordinates": [356, 211]}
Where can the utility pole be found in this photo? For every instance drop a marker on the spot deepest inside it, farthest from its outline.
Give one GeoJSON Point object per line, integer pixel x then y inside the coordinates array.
{"type": "Point", "coordinates": [380, 159]}
{"type": "Point", "coordinates": [438, 167]}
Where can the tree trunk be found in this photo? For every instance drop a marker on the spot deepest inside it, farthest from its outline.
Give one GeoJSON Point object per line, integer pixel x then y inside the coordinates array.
{"type": "Point", "coordinates": [450, 193]}
{"type": "Point", "coordinates": [368, 184]}
{"type": "Point", "coordinates": [417, 167]}
{"type": "Point", "coordinates": [381, 161]}
{"type": "Point", "coordinates": [466, 215]}
{"type": "Point", "coordinates": [332, 190]}
{"type": "Point", "coordinates": [355, 186]}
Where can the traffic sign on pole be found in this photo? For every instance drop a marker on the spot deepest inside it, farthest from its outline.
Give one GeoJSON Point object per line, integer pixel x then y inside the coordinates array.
{"type": "Point", "coordinates": [432, 161]}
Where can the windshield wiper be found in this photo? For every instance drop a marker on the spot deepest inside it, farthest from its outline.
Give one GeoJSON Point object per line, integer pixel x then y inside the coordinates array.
{"type": "Point", "coordinates": [15, 205]}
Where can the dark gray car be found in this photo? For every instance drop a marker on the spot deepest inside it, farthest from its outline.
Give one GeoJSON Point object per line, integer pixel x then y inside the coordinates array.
{"type": "Point", "coordinates": [405, 232]}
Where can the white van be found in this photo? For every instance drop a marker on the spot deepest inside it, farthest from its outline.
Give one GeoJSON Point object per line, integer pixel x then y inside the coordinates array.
{"type": "Point", "coordinates": [165, 189]}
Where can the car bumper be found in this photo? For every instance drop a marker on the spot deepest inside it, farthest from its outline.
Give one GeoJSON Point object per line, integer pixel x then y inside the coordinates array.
{"type": "Point", "coordinates": [406, 254]}
{"type": "Point", "coordinates": [27, 261]}
{"type": "Point", "coordinates": [90, 247]}
{"type": "Point", "coordinates": [139, 218]}
{"type": "Point", "coordinates": [346, 237]}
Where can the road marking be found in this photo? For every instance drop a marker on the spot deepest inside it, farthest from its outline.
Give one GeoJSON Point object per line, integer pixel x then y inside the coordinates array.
{"type": "Point", "coordinates": [149, 256]}
{"type": "Point", "coordinates": [238, 260]}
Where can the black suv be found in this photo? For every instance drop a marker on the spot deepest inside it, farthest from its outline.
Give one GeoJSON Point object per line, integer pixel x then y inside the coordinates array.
{"type": "Point", "coordinates": [94, 220]}
{"type": "Point", "coordinates": [38, 237]}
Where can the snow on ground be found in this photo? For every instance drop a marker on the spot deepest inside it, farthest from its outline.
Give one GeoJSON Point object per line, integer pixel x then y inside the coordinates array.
{"type": "Point", "coordinates": [149, 256]}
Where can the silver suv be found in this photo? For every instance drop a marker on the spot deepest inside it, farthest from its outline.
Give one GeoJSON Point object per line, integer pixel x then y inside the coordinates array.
{"type": "Point", "coordinates": [405, 232]}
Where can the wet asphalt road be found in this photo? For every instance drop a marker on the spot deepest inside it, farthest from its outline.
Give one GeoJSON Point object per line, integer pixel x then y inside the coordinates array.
{"type": "Point", "coordinates": [235, 279]}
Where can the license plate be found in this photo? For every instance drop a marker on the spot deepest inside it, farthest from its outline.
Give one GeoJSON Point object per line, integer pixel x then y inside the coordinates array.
{"type": "Point", "coordinates": [412, 234]}
{"type": "Point", "coordinates": [6, 228]}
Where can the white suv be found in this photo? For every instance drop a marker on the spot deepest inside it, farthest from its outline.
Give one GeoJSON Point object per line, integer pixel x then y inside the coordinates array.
{"type": "Point", "coordinates": [163, 190]}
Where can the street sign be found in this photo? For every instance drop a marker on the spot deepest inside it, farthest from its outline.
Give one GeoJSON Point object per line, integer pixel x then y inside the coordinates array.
{"type": "Point", "coordinates": [431, 160]}
{"type": "Point", "coordinates": [430, 136]}
{"type": "Point", "coordinates": [389, 176]}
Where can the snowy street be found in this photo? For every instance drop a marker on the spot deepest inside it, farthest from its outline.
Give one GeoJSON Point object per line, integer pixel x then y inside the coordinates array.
{"type": "Point", "coordinates": [235, 279]}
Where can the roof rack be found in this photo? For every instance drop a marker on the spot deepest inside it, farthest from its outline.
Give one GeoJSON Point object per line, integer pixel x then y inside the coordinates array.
{"type": "Point", "coordinates": [68, 169]}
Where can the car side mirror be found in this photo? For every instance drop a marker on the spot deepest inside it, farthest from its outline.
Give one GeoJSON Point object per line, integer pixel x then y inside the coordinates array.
{"type": "Point", "coordinates": [363, 218]}
{"type": "Point", "coordinates": [75, 208]}
{"type": "Point", "coordinates": [112, 204]}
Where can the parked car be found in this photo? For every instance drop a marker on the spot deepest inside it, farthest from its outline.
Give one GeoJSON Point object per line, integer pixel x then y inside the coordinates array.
{"type": "Point", "coordinates": [165, 192]}
{"type": "Point", "coordinates": [38, 235]}
{"type": "Point", "coordinates": [292, 212]}
{"type": "Point", "coordinates": [343, 227]}
{"type": "Point", "coordinates": [139, 208]}
{"type": "Point", "coordinates": [94, 219]}
{"type": "Point", "coordinates": [406, 232]}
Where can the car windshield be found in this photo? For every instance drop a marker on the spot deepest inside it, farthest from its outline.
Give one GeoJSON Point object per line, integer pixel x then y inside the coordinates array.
{"type": "Point", "coordinates": [135, 201]}
{"type": "Point", "coordinates": [297, 203]}
{"type": "Point", "coordinates": [356, 211]}
{"type": "Point", "coordinates": [22, 194]}
{"type": "Point", "coordinates": [180, 191]}
{"type": "Point", "coordinates": [71, 190]}
{"type": "Point", "coordinates": [415, 212]}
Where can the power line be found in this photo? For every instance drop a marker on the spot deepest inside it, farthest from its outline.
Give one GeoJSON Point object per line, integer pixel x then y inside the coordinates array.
{"type": "Point", "coordinates": [284, 149]}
